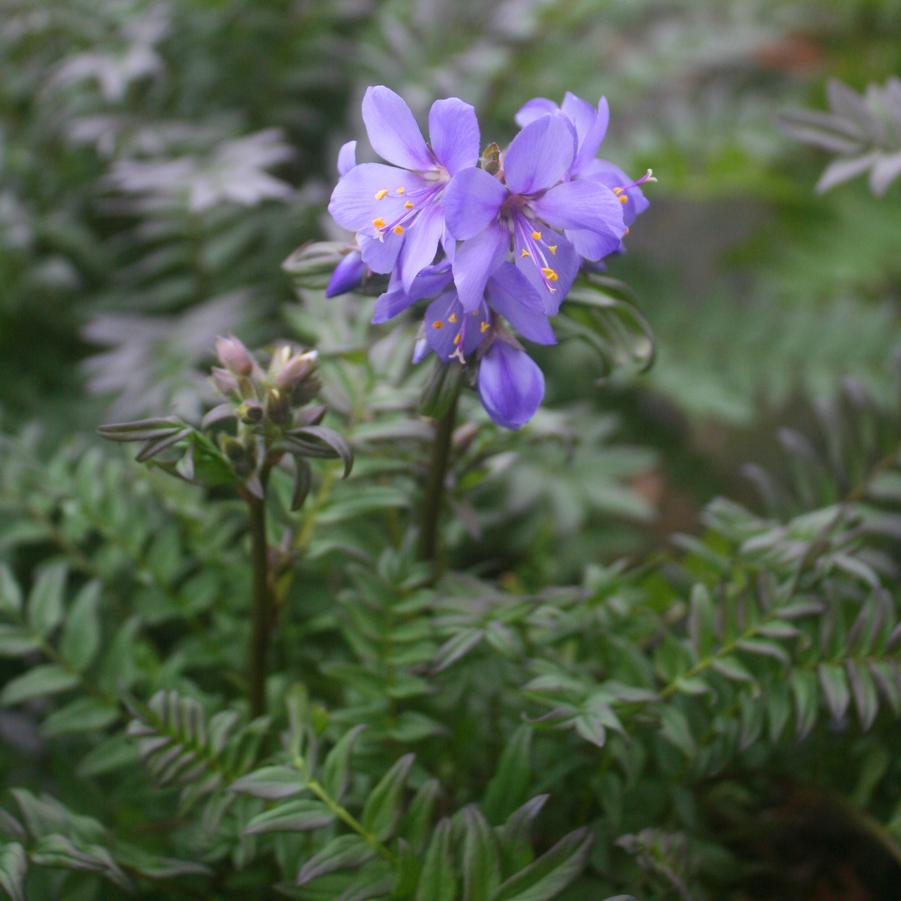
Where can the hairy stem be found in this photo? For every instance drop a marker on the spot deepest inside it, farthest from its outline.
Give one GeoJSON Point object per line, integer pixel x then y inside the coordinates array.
{"type": "Point", "coordinates": [434, 489]}
{"type": "Point", "coordinates": [262, 605]}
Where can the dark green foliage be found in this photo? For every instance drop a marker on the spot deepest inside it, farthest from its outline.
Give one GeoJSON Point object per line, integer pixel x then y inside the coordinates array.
{"type": "Point", "coordinates": [664, 660]}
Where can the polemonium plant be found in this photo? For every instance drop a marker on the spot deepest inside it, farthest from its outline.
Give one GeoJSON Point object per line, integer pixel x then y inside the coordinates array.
{"type": "Point", "coordinates": [510, 236]}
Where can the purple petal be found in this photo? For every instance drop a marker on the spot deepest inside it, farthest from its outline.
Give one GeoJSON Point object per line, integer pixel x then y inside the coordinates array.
{"type": "Point", "coordinates": [472, 200]}
{"type": "Point", "coordinates": [380, 255]}
{"type": "Point", "coordinates": [540, 155]}
{"type": "Point", "coordinates": [564, 261]}
{"type": "Point", "coordinates": [421, 350]}
{"type": "Point", "coordinates": [355, 201]}
{"type": "Point", "coordinates": [592, 246]}
{"type": "Point", "coordinates": [534, 109]}
{"type": "Point", "coordinates": [347, 275]}
{"type": "Point", "coordinates": [431, 281]}
{"type": "Point", "coordinates": [584, 205]}
{"type": "Point", "coordinates": [589, 144]}
{"type": "Point", "coordinates": [454, 133]}
{"type": "Point", "coordinates": [511, 386]}
{"type": "Point", "coordinates": [580, 113]}
{"type": "Point", "coordinates": [445, 320]}
{"type": "Point", "coordinates": [347, 157]}
{"type": "Point", "coordinates": [476, 260]}
{"type": "Point", "coordinates": [511, 295]}
{"type": "Point", "coordinates": [421, 243]}
{"type": "Point", "coordinates": [606, 173]}
{"type": "Point", "coordinates": [393, 131]}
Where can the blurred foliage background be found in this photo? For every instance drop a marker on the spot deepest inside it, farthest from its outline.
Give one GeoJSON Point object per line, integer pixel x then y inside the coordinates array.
{"type": "Point", "coordinates": [160, 160]}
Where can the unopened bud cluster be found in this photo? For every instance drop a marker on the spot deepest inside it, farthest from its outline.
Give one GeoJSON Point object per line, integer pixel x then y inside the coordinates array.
{"type": "Point", "coordinates": [267, 402]}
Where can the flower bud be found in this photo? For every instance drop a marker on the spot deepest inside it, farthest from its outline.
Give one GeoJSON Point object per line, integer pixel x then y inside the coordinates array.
{"type": "Point", "coordinates": [250, 412]}
{"type": "Point", "coordinates": [225, 381]}
{"type": "Point", "coordinates": [311, 415]}
{"type": "Point", "coordinates": [239, 455]}
{"type": "Point", "coordinates": [278, 405]}
{"type": "Point", "coordinates": [348, 275]}
{"type": "Point", "coordinates": [295, 370]}
{"type": "Point", "coordinates": [234, 356]}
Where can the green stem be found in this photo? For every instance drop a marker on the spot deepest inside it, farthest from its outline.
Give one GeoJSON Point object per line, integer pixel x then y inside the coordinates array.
{"type": "Point", "coordinates": [262, 605]}
{"type": "Point", "coordinates": [435, 487]}
{"type": "Point", "coordinates": [351, 821]}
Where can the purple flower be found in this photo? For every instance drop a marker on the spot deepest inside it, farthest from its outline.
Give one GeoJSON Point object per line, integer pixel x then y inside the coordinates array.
{"type": "Point", "coordinates": [396, 209]}
{"type": "Point", "coordinates": [547, 221]}
{"type": "Point", "coordinates": [511, 386]}
{"type": "Point", "coordinates": [348, 274]}
{"type": "Point", "coordinates": [591, 124]}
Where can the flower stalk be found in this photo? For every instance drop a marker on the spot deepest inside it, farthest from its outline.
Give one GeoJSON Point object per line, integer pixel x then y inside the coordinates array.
{"type": "Point", "coordinates": [262, 604]}
{"type": "Point", "coordinates": [436, 482]}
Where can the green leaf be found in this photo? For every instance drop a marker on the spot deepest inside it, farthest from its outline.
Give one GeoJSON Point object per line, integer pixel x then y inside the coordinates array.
{"type": "Point", "coordinates": [835, 687]}
{"type": "Point", "coordinates": [270, 782]}
{"type": "Point", "coordinates": [60, 851]}
{"type": "Point", "coordinates": [16, 641]}
{"type": "Point", "coordinates": [112, 754]}
{"type": "Point", "coordinates": [804, 688]}
{"type": "Point", "coordinates": [13, 868]}
{"type": "Point", "coordinates": [347, 852]}
{"type": "Point", "coordinates": [382, 808]}
{"type": "Point", "coordinates": [334, 774]}
{"type": "Point", "coordinates": [416, 821]}
{"type": "Point", "coordinates": [328, 439]}
{"type": "Point", "coordinates": [82, 715]}
{"type": "Point", "coordinates": [481, 867]}
{"type": "Point", "coordinates": [509, 786]}
{"type": "Point", "coordinates": [438, 880]}
{"type": "Point", "coordinates": [45, 602]}
{"type": "Point", "coordinates": [42, 680]}
{"type": "Point", "coordinates": [81, 634]}
{"type": "Point", "coordinates": [731, 668]}
{"type": "Point", "coordinates": [551, 873]}
{"type": "Point", "coordinates": [675, 729]}
{"type": "Point", "coordinates": [10, 593]}
{"type": "Point", "coordinates": [516, 848]}
{"type": "Point", "coordinates": [294, 816]}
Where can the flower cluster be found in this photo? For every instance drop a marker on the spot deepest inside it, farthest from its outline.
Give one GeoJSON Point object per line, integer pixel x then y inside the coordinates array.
{"type": "Point", "coordinates": [493, 241]}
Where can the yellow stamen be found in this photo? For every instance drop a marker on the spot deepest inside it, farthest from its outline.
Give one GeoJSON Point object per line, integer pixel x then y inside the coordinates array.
{"type": "Point", "coordinates": [378, 222]}
{"type": "Point", "coordinates": [381, 194]}
{"type": "Point", "coordinates": [484, 327]}
{"type": "Point", "coordinates": [457, 339]}
{"type": "Point", "coordinates": [526, 253]}
{"type": "Point", "coordinates": [452, 317]}
{"type": "Point", "coordinates": [536, 236]}
{"type": "Point", "coordinates": [398, 229]}
{"type": "Point", "coordinates": [401, 190]}
{"type": "Point", "coordinates": [552, 248]}
{"type": "Point", "coordinates": [623, 198]}
{"type": "Point", "coordinates": [549, 274]}
{"type": "Point", "coordinates": [617, 191]}
{"type": "Point", "coordinates": [408, 205]}
{"type": "Point", "coordinates": [437, 323]}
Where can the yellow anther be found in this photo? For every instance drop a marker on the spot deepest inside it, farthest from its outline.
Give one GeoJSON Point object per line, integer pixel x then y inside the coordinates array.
{"type": "Point", "coordinates": [437, 323]}
{"type": "Point", "coordinates": [484, 327]}
{"type": "Point", "coordinates": [381, 194]}
{"type": "Point", "coordinates": [617, 191]}
{"type": "Point", "coordinates": [398, 229]}
{"type": "Point", "coordinates": [552, 248]}
{"type": "Point", "coordinates": [549, 274]}
{"type": "Point", "coordinates": [408, 205]}
{"type": "Point", "coordinates": [452, 317]}
{"type": "Point", "coordinates": [401, 190]}
{"type": "Point", "coordinates": [457, 339]}
{"type": "Point", "coordinates": [378, 222]}
{"type": "Point", "coordinates": [536, 236]}
{"type": "Point", "coordinates": [526, 253]}
{"type": "Point", "coordinates": [623, 198]}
